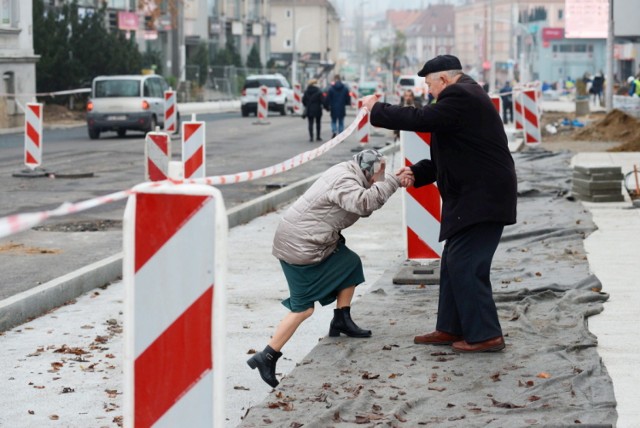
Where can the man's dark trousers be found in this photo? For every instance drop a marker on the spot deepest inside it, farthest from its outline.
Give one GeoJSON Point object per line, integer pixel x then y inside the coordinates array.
{"type": "Point", "coordinates": [466, 307]}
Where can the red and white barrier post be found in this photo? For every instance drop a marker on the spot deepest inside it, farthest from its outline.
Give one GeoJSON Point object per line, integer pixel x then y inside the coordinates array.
{"type": "Point", "coordinates": [355, 95]}
{"type": "Point", "coordinates": [362, 132]}
{"type": "Point", "coordinates": [297, 98]}
{"type": "Point", "coordinates": [531, 117]}
{"type": "Point", "coordinates": [497, 103]}
{"type": "Point", "coordinates": [170, 112]}
{"type": "Point", "coordinates": [157, 154]}
{"type": "Point", "coordinates": [518, 112]}
{"type": "Point", "coordinates": [263, 106]}
{"type": "Point", "coordinates": [174, 269]}
{"type": "Point", "coordinates": [33, 116]}
{"type": "Point", "coordinates": [193, 148]}
{"type": "Point", "coordinates": [422, 206]}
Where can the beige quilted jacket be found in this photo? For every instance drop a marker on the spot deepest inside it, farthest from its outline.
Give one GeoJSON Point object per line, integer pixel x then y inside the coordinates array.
{"type": "Point", "coordinates": [310, 229]}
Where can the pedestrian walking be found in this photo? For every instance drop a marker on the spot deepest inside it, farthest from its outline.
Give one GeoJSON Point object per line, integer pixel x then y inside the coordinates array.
{"type": "Point", "coordinates": [337, 99]}
{"type": "Point", "coordinates": [316, 262]}
{"type": "Point", "coordinates": [506, 93]}
{"type": "Point", "coordinates": [471, 162]}
{"type": "Point", "coordinates": [312, 102]}
{"type": "Point", "coordinates": [597, 86]}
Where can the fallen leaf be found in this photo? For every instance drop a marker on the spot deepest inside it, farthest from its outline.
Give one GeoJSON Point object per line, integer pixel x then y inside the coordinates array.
{"type": "Point", "coordinates": [495, 377]}
{"type": "Point", "coordinates": [370, 376]}
{"type": "Point", "coordinates": [31, 412]}
{"type": "Point", "coordinates": [67, 390]}
{"type": "Point", "coordinates": [543, 375]}
{"type": "Point", "coordinates": [538, 274]}
{"type": "Point", "coordinates": [533, 398]}
{"type": "Point", "coordinates": [497, 403]}
{"type": "Point", "coordinates": [251, 351]}
{"type": "Point", "coordinates": [241, 388]}
{"type": "Point", "coordinates": [54, 417]}
{"type": "Point", "coordinates": [437, 388]}
{"type": "Point", "coordinates": [337, 418]}
{"type": "Point", "coordinates": [400, 418]}
{"type": "Point", "coordinates": [295, 425]}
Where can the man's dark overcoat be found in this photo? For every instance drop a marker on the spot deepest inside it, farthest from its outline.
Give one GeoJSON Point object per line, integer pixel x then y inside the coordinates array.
{"type": "Point", "coordinates": [470, 158]}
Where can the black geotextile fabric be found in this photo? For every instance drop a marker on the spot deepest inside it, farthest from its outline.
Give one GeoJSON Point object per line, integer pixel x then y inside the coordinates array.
{"type": "Point", "coordinates": [550, 373]}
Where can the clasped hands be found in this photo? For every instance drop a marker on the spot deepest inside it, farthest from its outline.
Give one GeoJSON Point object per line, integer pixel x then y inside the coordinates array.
{"type": "Point", "coordinates": [406, 177]}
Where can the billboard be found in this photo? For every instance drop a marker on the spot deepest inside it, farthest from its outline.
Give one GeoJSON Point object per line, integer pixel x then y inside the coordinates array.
{"type": "Point", "coordinates": [586, 19]}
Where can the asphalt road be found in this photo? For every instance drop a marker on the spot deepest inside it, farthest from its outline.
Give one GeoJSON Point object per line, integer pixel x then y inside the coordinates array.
{"type": "Point", "coordinates": [62, 245]}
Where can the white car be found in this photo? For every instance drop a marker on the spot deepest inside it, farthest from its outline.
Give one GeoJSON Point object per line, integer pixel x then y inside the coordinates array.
{"type": "Point", "coordinates": [279, 94]}
{"type": "Point", "coordinates": [127, 102]}
{"type": "Point", "coordinates": [414, 83]}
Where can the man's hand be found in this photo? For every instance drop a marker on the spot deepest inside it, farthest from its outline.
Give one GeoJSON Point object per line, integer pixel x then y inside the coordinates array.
{"type": "Point", "coordinates": [369, 101]}
{"type": "Point", "coordinates": [406, 177]}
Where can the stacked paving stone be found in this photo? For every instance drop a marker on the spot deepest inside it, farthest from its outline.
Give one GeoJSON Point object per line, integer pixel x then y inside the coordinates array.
{"type": "Point", "coordinates": [597, 183]}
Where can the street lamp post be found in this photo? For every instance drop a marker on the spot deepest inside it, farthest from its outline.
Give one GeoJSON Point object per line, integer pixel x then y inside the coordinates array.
{"type": "Point", "coordinates": [294, 58]}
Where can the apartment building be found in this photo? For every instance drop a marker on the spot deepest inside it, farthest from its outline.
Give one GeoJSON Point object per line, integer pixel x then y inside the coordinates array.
{"type": "Point", "coordinates": [17, 60]}
{"type": "Point", "coordinates": [308, 28]}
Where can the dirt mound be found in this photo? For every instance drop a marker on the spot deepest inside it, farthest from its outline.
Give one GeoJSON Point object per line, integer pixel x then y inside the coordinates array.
{"type": "Point", "coordinates": [615, 126]}
{"type": "Point", "coordinates": [55, 113]}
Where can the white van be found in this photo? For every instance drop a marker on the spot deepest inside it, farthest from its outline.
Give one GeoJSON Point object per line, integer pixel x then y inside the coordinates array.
{"type": "Point", "coordinates": [414, 83]}
{"type": "Point", "coordinates": [279, 94]}
{"type": "Point", "coordinates": [128, 102]}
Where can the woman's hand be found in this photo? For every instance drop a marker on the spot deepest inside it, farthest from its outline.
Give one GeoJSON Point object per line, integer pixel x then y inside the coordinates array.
{"type": "Point", "coordinates": [406, 177]}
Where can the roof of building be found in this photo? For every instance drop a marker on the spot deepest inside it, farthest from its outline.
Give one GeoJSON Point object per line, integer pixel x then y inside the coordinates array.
{"type": "Point", "coordinates": [436, 20]}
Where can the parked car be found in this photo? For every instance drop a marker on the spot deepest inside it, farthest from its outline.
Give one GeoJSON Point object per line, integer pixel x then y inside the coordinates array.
{"type": "Point", "coordinates": [127, 102]}
{"type": "Point", "coordinates": [415, 84]}
{"type": "Point", "coordinates": [279, 94]}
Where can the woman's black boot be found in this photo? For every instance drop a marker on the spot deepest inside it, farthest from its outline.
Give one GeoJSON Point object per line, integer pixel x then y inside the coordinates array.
{"type": "Point", "coordinates": [342, 323]}
{"type": "Point", "coordinates": [265, 362]}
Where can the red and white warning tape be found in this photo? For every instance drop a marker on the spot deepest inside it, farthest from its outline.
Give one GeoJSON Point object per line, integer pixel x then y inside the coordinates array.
{"type": "Point", "coordinates": [19, 222]}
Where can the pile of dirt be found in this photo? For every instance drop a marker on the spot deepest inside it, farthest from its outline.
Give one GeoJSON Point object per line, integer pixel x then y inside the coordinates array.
{"type": "Point", "coordinates": [615, 126]}
{"type": "Point", "coordinates": [55, 113]}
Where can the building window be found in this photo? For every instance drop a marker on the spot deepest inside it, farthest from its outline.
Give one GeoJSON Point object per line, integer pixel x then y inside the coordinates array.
{"type": "Point", "coordinates": [5, 12]}
{"type": "Point", "coordinates": [288, 13]}
{"type": "Point", "coordinates": [287, 43]}
{"type": "Point", "coordinates": [560, 13]}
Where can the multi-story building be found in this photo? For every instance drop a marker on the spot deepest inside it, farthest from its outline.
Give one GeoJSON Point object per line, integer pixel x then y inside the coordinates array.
{"type": "Point", "coordinates": [310, 29]}
{"type": "Point", "coordinates": [432, 33]}
{"type": "Point", "coordinates": [17, 61]}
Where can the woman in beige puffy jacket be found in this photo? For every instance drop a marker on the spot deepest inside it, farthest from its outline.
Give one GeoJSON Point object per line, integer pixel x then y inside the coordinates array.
{"type": "Point", "coordinates": [315, 260]}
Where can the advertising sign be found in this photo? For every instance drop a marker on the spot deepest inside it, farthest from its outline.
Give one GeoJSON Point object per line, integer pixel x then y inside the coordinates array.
{"type": "Point", "coordinates": [586, 19]}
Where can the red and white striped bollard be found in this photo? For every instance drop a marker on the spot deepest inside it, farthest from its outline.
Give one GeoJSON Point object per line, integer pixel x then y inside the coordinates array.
{"type": "Point", "coordinates": [173, 269]}
{"type": "Point", "coordinates": [157, 154]}
{"type": "Point", "coordinates": [33, 117]}
{"type": "Point", "coordinates": [422, 206]}
{"type": "Point", "coordinates": [193, 148]}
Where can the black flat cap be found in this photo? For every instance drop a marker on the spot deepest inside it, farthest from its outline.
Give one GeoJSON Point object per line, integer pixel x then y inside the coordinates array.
{"type": "Point", "coordinates": [440, 63]}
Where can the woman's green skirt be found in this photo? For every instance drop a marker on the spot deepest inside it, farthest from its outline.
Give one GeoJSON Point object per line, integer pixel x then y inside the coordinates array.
{"type": "Point", "coordinates": [320, 282]}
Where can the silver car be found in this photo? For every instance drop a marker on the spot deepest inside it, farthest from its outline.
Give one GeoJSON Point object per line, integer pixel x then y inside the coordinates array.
{"type": "Point", "coordinates": [121, 103]}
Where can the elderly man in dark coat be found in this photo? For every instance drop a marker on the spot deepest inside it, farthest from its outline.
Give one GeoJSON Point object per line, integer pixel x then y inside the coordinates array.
{"type": "Point", "coordinates": [475, 173]}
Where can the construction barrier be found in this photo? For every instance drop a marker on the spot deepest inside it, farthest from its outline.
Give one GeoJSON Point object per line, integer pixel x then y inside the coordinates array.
{"type": "Point", "coordinates": [33, 135]}
{"type": "Point", "coordinates": [263, 106]}
{"type": "Point", "coordinates": [157, 154]}
{"type": "Point", "coordinates": [355, 95]}
{"type": "Point", "coordinates": [363, 127]}
{"type": "Point", "coordinates": [497, 103]}
{"type": "Point", "coordinates": [422, 206]}
{"type": "Point", "coordinates": [297, 98]}
{"type": "Point", "coordinates": [531, 117]}
{"type": "Point", "coordinates": [174, 322]}
{"type": "Point", "coordinates": [518, 113]}
{"type": "Point", "coordinates": [193, 149]}
{"type": "Point", "coordinates": [170, 112]}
